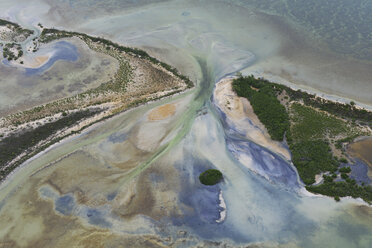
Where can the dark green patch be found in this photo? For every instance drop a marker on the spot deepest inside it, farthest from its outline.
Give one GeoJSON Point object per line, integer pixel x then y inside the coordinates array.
{"type": "Point", "coordinates": [306, 131]}
{"type": "Point", "coordinates": [265, 104]}
{"type": "Point", "coordinates": [342, 189]}
{"type": "Point", "coordinates": [312, 158]}
{"type": "Point", "coordinates": [15, 145]}
{"type": "Point", "coordinates": [210, 177]}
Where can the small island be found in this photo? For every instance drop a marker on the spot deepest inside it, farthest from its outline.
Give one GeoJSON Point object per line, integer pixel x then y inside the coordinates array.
{"type": "Point", "coordinates": [210, 177]}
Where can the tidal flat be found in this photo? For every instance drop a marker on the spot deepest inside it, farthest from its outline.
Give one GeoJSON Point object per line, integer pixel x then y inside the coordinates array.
{"type": "Point", "coordinates": [132, 180]}
{"type": "Point", "coordinates": [70, 68]}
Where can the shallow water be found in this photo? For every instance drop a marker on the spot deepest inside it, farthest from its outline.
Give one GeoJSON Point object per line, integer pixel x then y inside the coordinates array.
{"type": "Point", "coordinates": [361, 149]}
{"type": "Point", "coordinates": [71, 68]}
{"type": "Point", "coordinates": [136, 176]}
{"type": "Point", "coordinates": [62, 50]}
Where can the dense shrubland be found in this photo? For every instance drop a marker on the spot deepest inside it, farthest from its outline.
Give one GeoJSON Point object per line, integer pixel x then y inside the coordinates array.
{"type": "Point", "coordinates": [309, 124]}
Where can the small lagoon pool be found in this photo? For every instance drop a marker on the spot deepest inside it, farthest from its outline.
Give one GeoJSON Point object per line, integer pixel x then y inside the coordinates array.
{"type": "Point", "coordinates": [61, 50]}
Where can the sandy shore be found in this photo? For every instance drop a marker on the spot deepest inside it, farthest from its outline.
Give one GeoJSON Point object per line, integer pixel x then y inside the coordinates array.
{"type": "Point", "coordinates": [311, 90]}
{"type": "Point", "coordinates": [240, 112]}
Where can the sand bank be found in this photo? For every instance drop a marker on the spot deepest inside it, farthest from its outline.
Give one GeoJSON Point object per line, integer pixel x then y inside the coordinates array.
{"type": "Point", "coordinates": [240, 112]}
{"type": "Point", "coordinates": [162, 112]}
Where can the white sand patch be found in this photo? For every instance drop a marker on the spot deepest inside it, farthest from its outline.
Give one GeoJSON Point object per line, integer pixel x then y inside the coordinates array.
{"type": "Point", "coordinates": [36, 61]}
{"type": "Point", "coordinates": [223, 206]}
{"type": "Point", "coordinates": [318, 179]}
{"type": "Point", "coordinates": [239, 111]}
{"type": "Point", "coordinates": [5, 33]}
{"type": "Point", "coordinates": [4, 29]}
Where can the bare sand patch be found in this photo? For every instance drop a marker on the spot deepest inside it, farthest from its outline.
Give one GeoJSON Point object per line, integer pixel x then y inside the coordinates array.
{"type": "Point", "coordinates": [162, 112]}
{"type": "Point", "coordinates": [36, 62]}
{"type": "Point", "coordinates": [238, 109]}
{"type": "Point", "coordinates": [39, 61]}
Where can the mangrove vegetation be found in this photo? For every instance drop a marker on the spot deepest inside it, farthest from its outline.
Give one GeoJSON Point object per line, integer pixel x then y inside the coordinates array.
{"type": "Point", "coordinates": [210, 177]}
{"type": "Point", "coordinates": [315, 130]}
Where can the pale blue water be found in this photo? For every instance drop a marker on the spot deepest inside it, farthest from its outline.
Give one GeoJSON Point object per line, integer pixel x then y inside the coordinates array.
{"type": "Point", "coordinates": [62, 50]}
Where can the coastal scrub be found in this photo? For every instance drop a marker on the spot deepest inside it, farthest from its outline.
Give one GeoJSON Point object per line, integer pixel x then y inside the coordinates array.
{"type": "Point", "coordinates": [315, 130]}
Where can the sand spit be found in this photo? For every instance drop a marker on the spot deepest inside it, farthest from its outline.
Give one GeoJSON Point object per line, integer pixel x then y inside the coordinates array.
{"type": "Point", "coordinates": [31, 63]}
{"type": "Point", "coordinates": [37, 61]}
{"type": "Point", "coordinates": [223, 208]}
{"type": "Point", "coordinates": [240, 112]}
{"type": "Point", "coordinates": [136, 81]}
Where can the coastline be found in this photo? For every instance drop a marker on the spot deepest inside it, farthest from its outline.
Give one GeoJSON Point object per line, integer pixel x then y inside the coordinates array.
{"type": "Point", "coordinates": [309, 89]}
{"type": "Point", "coordinates": [85, 129]}
{"type": "Point", "coordinates": [294, 102]}
{"type": "Point", "coordinates": [237, 110]}
{"type": "Point", "coordinates": [139, 79]}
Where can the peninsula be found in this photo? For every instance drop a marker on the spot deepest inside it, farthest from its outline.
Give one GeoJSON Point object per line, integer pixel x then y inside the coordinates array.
{"type": "Point", "coordinates": [139, 78]}
{"type": "Point", "coordinates": [317, 132]}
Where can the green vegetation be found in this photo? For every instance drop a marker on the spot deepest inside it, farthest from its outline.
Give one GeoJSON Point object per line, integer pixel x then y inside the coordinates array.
{"type": "Point", "coordinates": [16, 28]}
{"type": "Point", "coordinates": [342, 189]}
{"type": "Point", "coordinates": [24, 143]}
{"type": "Point", "coordinates": [11, 55]}
{"type": "Point", "coordinates": [345, 170]}
{"type": "Point", "coordinates": [310, 124]}
{"type": "Point", "coordinates": [5, 22]}
{"type": "Point", "coordinates": [49, 35]}
{"type": "Point", "coordinates": [265, 105]}
{"type": "Point", "coordinates": [312, 158]}
{"type": "Point", "coordinates": [310, 131]}
{"type": "Point", "coordinates": [343, 160]}
{"type": "Point", "coordinates": [13, 50]}
{"type": "Point", "coordinates": [346, 111]}
{"type": "Point", "coordinates": [210, 177]}
{"type": "Point", "coordinates": [344, 176]}
{"type": "Point", "coordinates": [14, 145]}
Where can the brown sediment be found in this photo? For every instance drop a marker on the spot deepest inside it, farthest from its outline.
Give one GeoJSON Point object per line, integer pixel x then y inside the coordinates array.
{"type": "Point", "coordinates": [136, 81]}
{"type": "Point", "coordinates": [140, 200]}
{"type": "Point", "coordinates": [149, 197]}
{"type": "Point", "coordinates": [39, 61]}
{"type": "Point", "coordinates": [362, 149]}
{"type": "Point", "coordinates": [162, 112]}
